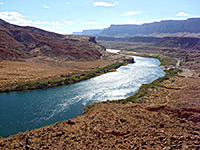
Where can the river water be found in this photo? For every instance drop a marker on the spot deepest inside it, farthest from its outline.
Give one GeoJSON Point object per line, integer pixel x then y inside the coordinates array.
{"type": "Point", "coordinates": [21, 111]}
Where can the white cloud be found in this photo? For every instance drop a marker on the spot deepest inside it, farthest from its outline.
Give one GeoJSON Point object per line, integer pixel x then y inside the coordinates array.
{"type": "Point", "coordinates": [15, 18]}
{"type": "Point", "coordinates": [104, 4]}
{"type": "Point", "coordinates": [44, 6]}
{"type": "Point", "coordinates": [69, 22]}
{"type": "Point", "coordinates": [182, 14]}
{"type": "Point", "coordinates": [67, 3]}
{"type": "Point", "coordinates": [19, 19]}
{"type": "Point", "coordinates": [55, 23]}
{"type": "Point", "coordinates": [91, 23]}
{"type": "Point", "coordinates": [130, 13]}
{"type": "Point", "coordinates": [1, 3]}
{"type": "Point", "coordinates": [40, 22]}
{"type": "Point", "coordinates": [131, 21]}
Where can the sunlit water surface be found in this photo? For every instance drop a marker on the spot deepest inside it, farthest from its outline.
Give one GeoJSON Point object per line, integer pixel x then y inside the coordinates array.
{"type": "Point", "coordinates": [21, 111]}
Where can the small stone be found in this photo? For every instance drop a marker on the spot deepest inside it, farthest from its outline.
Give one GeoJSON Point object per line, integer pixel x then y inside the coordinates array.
{"type": "Point", "coordinates": [2, 144]}
{"type": "Point", "coordinates": [59, 134]}
{"type": "Point", "coordinates": [70, 122]}
{"type": "Point", "coordinates": [162, 138]}
{"type": "Point", "coordinates": [152, 144]}
{"type": "Point", "coordinates": [27, 147]}
{"type": "Point", "coordinates": [16, 145]}
{"type": "Point", "coordinates": [31, 134]}
{"type": "Point", "coordinates": [20, 143]}
{"type": "Point", "coordinates": [167, 148]}
{"type": "Point", "coordinates": [162, 125]}
{"type": "Point", "coordinates": [143, 143]}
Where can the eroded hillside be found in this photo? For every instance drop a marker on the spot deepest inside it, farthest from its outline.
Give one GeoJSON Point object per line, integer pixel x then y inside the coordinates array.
{"type": "Point", "coordinates": [18, 42]}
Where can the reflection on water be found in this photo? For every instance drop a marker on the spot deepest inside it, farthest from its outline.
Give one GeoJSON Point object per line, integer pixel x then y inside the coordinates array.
{"type": "Point", "coordinates": [32, 109]}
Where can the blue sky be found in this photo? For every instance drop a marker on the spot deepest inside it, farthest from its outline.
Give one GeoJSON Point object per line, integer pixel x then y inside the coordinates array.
{"type": "Point", "coordinates": [67, 16]}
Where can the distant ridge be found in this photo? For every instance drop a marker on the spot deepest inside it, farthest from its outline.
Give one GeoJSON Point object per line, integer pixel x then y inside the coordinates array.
{"type": "Point", "coordinates": [180, 42]}
{"type": "Point", "coordinates": [182, 28]}
{"type": "Point", "coordinates": [130, 39]}
{"type": "Point", "coordinates": [191, 25]}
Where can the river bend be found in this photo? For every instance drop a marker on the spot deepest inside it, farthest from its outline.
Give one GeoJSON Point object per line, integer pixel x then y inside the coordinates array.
{"type": "Point", "coordinates": [21, 111]}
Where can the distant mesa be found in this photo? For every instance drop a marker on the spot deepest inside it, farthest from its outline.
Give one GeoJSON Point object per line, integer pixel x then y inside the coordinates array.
{"type": "Point", "coordinates": [183, 28]}
{"type": "Point", "coordinates": [191, 25]}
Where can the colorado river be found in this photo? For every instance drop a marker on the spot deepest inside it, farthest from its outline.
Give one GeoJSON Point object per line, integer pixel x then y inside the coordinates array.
{"type": "Point", "coordinates": [21, 111]}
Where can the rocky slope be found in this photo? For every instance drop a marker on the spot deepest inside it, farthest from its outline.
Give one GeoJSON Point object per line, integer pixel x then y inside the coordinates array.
{"type": "Point", "coordinates": [180, 42]}
{"type": "Point", "coordinates": [18, 42]}
{"type": "Point", "coordinates": [130, 39]}
{"type": "Point", "coordinates": [144, 39]}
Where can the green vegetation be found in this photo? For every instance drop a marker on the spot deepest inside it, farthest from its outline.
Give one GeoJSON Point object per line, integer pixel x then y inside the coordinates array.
{"type": "Point", "coordinates": [144, 88]}
{"type": "Point", "coordinates": [163, 63]}
{"type": "Point", "coordinates": [66, 79]}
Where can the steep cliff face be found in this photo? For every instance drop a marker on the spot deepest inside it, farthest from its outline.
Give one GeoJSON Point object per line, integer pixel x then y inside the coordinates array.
{"type": "Point", "coordinates": [144, 39]}
{"type": "Point", "coordinates": [183, 43]}
{"type": "Point", "coordinates": [191, 25]}
{"type": "Point", "coordinates": [104, 38]}
{"type": "Point", "coordinates": [18, 42]}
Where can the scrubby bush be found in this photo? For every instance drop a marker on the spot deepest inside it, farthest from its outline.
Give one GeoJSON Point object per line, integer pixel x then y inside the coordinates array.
{"type": "Point", "coordinates": [161, 60]}
{"type": "Point", "coordinates": [62, 75]}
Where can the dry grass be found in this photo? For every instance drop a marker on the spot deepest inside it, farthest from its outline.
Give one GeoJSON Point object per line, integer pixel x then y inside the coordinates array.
{"type": "Point", "coordinates": [12, 72]}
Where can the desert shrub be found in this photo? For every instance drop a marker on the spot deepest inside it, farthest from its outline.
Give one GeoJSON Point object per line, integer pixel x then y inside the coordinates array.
{"type": "Point", "coordinates": [62, 75]}
{"type": "Point", "coordinates": [82, 74]}
{"type": "Point", "coordinates": [161, 60]}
